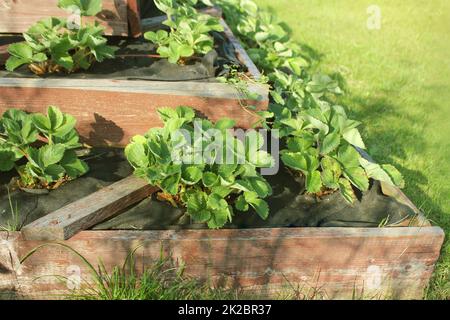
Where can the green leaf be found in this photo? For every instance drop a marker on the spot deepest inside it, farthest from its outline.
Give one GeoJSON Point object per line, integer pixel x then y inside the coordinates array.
{"type": "Point", "coordinates": [357, 177]}
{"type": "Point", "coordinates": [348, 156]}
{"type": "Point", "coordinates": [260, 186]}
{"type": "Point", "coordinates": [21, 50]}
{"type": "Point", "coordinates": [42, 122]}
{"type": "Point", "coordinates": [219, 218]}
{"type": "Point", "coordinates": [13, 63]}
{"type": "Point", "coordinates": [55, 116]}
{"type": "Point", "coordinates": [66, 127]}
{"type": "Point", "coordinates": [224, 124]}
{"type": "Point", "coordinates": [191, 175]}
{"type": "Point", "coordinates": [261, 207]}
{"type": "Point", "coordinates": [54, 172]}
{"type": "Point", "coordinates": [73, 166]}
{"type": "Point", "coordinates": [300, 143]}
{"type": "Point", "coordinates": [103, 52]}
{"type": "Point", "coordinates": [353, 137]}
{"type": "Point", "coordinates": [185, 51]}
{"type": "Point", "coordinates": [295, 161]}
{"type": "Point", "coordinates": [250, 196]}
{"type": "Point", "coordinates": [196, 202]}
{"type": "Point", "coordinates": [7, 160]}
{"type": "Point", "coordinates": [185, 113]}
{"type": "Point", "coordinates": [241, 204]}
{"type": "Point", "coordinates": [313, 182]}
{"type": "Point", "coordinates": [40, 57]}
{"type": "Point", "coordinates": [71, 140]}
{"type": "Point", "coordinates": [201, 216]}
{"type": "Point", "coordinates": [330, 143]}
{"type": "Point", "coordinates": [227, 170]}
{"type": "Point", "coordinates": [51, 154]}
{"type": "Point", "coordinates": [261, 159]}
{"type": "Point", "coordinates": [346, 190]}
{"type": "Point", "coordinates": [331, 172]}
{"type": "Point", "coordinates": [66, 61]}
{"type": "Point", "coordinates": [395, 175]}
{"type": "Point", "coordinates": [375, 171]}
{"type": "Point", "coordinates": [167, 113]}
{"type": "Point", "coordinates": [28, 132]}
{"type": "Point", "coordinates": [216, 202]}
{"type": "Point", "coordinates": [222, 191]}
{"type": "Point", "coordinates": [210, 179]}
{"type": "Point", "coordinates": [170, 184]}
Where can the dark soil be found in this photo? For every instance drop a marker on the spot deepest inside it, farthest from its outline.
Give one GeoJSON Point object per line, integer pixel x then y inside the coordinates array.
{"type": "Point", "coordinates": [106, 169]}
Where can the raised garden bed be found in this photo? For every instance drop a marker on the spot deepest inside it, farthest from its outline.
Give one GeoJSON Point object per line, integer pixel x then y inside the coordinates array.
{"type": "Point", "coordinates": [111, 109]}
{"type": "Point", "coordinates": [379, 247]}
{"type": "Point", "coordinates": [337, 262]}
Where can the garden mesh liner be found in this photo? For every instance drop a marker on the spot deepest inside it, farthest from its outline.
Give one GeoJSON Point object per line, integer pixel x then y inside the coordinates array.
{"type": "Point", "coordinates": [134, 62]}
{"type": "Point", "coordinates": [289, 207]}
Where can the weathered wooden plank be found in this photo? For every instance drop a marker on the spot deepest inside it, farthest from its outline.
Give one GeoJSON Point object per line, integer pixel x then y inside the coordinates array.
{"type": "Point", "coordinates": [182, 88]}
{"type": "Point", "coordinates": [5, 41]}
{"type": "Point", "coordinates": [87, 212]}
{"type": "Point", "coordinates": [110, 112]}
{"type": "Point", "coordinates": [134, 18]}
{"type": "Point", "coordinates": [338, 262]}
{"type": "Point", "coordinates": [8, 264]}
{"type": "Point", "coordinates": [240, 51]}
{"type": "Point", "coordinates": [16, 16]}
{"type": "Point", "coordinates": [4, 55]}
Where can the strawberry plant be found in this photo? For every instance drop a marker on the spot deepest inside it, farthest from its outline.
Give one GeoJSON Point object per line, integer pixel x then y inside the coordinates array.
{"type": "Point", "coordinates": [40, 147]}
{"type": "Point", "coordinates": [320, 146]}
{"type": "Point", "coordinates": [52, 45]}
{"type": "Point", "coordinates": [320, 139]}
{"type": "Point", "coordinates": [186, 160]}
{"type": "Point", "coordinates": [189, 32]}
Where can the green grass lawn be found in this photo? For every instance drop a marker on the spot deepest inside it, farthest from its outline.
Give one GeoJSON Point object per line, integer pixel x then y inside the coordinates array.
{"type": "Point", "coordinates": [398, 85]}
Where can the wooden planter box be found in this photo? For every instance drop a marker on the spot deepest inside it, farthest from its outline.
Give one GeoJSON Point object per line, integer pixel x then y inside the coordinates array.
{"type": "Point", "coordinates": [110, 112]}
{"type": "Point", "coordinates": [16, 16]}
{"type": "Point", "coordinates": [395, 262]}
{"type": "Point", "coordinates": [333, 263]}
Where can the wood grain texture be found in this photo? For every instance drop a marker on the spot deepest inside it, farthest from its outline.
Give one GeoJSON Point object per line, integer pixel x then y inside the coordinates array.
{"type": "Point", "coordinates": [240, 51]}
{"type": "Point", "coordinates": [89, 211]}
{"type": "Point", "coordinates": [110, 112]}
{"type": "Point", "coordinates": [134, 18]}
{"type": "Point", "coordinates": [4, 55]}
{"type": "Point", "coordinates": [337, 262]}
{"type": "Point", "coordinates": [16, 16]}
{"type": "Point", "coordinates": [8, 265]}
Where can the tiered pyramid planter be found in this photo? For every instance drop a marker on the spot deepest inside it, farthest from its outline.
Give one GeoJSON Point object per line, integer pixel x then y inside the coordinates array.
{"type": "Point", "coordinates": [110, 112]}
{"type": "Point", "coordinates": [393, 262]}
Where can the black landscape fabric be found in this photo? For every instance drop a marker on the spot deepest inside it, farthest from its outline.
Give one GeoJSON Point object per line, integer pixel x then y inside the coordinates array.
{"type": "Point", "coordinates": [289, 206]}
